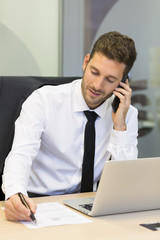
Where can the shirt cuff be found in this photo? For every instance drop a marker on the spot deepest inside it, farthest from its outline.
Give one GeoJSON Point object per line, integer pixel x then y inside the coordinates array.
{"type": "Point", "coordinates": [12, 192]}
{"type": "Point", "coordinates": [119, 138]}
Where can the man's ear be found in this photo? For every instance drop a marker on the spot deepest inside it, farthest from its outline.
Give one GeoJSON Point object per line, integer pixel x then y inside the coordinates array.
{"type": "Point", "coordinates": [86, 61]}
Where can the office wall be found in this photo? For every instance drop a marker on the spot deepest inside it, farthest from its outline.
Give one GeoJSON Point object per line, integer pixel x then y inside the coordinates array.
{"type": "Point", "coordinates": [29, 37]}
{"type": "Point", "coordinates": [72, 44]}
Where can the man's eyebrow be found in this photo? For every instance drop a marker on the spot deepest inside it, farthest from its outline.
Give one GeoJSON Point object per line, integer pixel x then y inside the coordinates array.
{"type": "Point", "coordinates": [94, 68]}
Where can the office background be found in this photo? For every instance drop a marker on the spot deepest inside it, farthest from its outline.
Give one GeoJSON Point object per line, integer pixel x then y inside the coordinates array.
{"type": "Point", "coordinates": [51, 38]}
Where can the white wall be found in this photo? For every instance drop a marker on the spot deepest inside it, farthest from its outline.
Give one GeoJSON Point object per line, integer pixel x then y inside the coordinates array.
{"type": "Point", "coordinates": [29, 37]}
{"type": "Point", "coordinates": [73, 28]}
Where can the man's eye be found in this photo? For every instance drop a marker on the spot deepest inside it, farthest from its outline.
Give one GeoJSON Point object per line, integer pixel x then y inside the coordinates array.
{"type": "Point", "coordinates": [110, 80]}
{"type": "Point", "coordinates": [94, 73]}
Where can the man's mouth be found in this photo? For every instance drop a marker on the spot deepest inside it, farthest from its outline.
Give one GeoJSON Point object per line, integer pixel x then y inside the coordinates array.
{"type": "Point", "coordinates": [94, 93]}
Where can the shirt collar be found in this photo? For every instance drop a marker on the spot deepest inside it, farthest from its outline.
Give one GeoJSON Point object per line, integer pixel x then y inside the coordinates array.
{"type": "Point", "coordinates": [79, 104]}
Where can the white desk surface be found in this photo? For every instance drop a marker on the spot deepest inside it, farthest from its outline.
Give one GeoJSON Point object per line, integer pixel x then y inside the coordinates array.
{"type": "Point", "coordinates": [112, 227]}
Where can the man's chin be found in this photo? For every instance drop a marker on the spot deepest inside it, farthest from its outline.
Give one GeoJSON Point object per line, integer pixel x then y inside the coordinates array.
{"type": "Point", "coordinates": [94, 105]}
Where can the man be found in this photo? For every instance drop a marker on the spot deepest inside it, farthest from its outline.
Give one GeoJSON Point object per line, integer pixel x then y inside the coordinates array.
{"type": "Point", "coordinates": [47, 152]}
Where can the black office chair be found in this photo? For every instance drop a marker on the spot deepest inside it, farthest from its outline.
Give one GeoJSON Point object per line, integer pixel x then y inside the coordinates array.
{"type": "Point", "coordinates": [13, 92]}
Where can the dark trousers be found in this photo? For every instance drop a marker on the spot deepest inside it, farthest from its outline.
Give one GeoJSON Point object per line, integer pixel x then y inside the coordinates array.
{"type": "Point", "coordinates": [32, 195]}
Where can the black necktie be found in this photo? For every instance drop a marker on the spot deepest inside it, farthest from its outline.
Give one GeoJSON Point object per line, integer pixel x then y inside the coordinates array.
{"type": "Point", "coordinates": [89, 150]}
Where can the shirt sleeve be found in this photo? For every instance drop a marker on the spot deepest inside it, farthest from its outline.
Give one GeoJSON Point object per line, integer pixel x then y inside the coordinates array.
{"type": "Point", "coordinates": [28, 129]}
{"type": "Point", "coordinates": [123, 144]}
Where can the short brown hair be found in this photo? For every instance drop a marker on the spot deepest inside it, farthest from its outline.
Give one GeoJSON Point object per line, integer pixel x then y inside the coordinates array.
{"type": "Point", "coordinates": [118, 47]}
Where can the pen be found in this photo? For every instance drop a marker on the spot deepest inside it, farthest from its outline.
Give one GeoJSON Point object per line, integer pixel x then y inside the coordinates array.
{"type": "Point", "coordinates": [23, 200]}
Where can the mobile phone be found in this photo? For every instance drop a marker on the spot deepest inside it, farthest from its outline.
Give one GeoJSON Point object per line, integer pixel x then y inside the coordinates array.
{"type": "Point", "coordinates": [116, 100]}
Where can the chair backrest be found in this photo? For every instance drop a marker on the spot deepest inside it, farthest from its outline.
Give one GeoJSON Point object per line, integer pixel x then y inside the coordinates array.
{"type": "Point", "coordinates": [13, 92]}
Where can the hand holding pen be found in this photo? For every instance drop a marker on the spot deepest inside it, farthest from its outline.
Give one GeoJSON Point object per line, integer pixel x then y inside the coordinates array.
{"type": "Point", "coordinates": [16, 210]}
{"type": "Point", "coordinates": [23, 200]}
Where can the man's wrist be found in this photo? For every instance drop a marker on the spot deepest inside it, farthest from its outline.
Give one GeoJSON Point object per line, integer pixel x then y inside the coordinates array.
{"type": "Point", "coordinates": [120, 127]}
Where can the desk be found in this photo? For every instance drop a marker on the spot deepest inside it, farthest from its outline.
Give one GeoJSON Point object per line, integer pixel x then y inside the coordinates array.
{"type": "Point", "coordinates": [112, 227]}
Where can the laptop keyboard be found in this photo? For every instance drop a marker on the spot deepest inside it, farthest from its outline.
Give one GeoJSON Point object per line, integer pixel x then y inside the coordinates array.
{"type": "Point", "coordinates": [87, 206]}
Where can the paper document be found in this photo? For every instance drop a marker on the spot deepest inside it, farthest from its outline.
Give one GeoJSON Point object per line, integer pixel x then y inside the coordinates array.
{"type": "Point", "coordinates": [53, 214]}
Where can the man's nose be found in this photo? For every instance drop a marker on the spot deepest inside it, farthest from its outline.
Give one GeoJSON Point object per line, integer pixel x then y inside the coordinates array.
{"type": "Point", "coordinates": [98, 83]}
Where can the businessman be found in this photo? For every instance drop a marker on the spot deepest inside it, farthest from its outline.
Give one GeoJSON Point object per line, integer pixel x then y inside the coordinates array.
{"type": "Point", "coordinates": [47, 156]}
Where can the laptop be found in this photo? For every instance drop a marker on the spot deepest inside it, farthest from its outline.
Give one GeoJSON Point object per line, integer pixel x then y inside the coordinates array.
{"type": "Point", "coordinates": [125, 186]}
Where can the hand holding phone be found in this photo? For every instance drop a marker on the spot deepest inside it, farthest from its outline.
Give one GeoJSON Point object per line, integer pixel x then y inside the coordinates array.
{"type": "Point", "coordinates": [116, 101]}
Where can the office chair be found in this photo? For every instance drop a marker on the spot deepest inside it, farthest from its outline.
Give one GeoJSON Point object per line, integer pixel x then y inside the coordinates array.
{"type": "Point", "coordinates": [13, 92]}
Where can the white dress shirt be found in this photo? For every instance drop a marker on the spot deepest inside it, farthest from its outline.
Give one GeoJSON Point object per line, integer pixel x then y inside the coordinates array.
{"type": "Point", "coordinates": [47, 151]}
